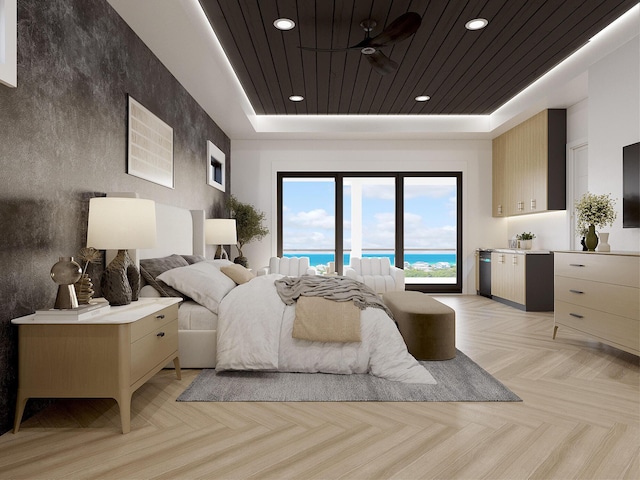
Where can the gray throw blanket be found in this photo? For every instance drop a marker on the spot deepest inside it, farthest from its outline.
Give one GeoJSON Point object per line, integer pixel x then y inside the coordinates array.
{"type": "Point", "coordinates": [337, 288]}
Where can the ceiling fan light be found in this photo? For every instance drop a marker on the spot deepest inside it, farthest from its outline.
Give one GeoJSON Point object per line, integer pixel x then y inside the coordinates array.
{"type": "Point", "coordinates": [368, 50]}
{"type": "Point", "coordinates": [296, 98]}
{"type": "Point", "coordinates": [476, 24]}
{"type": "Point", "coordinates": [423, 98]}
{"type": "Point", "coordinates": [284, 24]}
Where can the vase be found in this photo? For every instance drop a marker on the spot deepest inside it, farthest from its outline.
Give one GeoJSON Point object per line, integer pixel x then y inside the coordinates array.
{"type": "Point", "coordinates": [603, 244]}
{"type": "Point", "coordinates": [84, 289]}
{"type": "Point", "coordinates": [591, 240]}
{"type": "Point", "coordinates": [65, 273]}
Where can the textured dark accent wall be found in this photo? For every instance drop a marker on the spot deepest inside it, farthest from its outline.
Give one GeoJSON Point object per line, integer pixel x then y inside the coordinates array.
{"type": "Point", "coordinates": [63, 140]}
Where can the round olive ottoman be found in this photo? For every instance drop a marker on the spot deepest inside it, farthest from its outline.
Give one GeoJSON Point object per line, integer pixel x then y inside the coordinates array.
{"type": "Point", "coordinates": [427, 326]}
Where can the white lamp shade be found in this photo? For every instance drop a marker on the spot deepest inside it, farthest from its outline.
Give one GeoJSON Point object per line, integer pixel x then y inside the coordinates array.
{"type": "Point", "coordinates": [121, 223]}
{"type": "Point", "coordinates": [220, 231]}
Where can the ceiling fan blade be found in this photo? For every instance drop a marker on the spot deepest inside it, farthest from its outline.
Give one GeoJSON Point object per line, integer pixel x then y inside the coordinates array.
{"type": "Point", "coordinates": [381, 63]}
{"type": "Point", "coordinates": [326, 49]}
{"type": "Point", "coordinates": [402, 27]}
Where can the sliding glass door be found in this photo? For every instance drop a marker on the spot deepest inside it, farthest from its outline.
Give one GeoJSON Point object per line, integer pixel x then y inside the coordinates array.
{"type": "Point", "coordinates": [414, 219]}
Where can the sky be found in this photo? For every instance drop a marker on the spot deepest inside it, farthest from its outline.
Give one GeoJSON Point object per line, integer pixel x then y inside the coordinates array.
{"type": "Point", "coordinates": [430, 214]}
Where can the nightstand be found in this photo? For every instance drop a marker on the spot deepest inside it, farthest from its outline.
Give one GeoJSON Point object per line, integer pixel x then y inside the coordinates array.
{"type": "Point", "coordinates": [106, 356]}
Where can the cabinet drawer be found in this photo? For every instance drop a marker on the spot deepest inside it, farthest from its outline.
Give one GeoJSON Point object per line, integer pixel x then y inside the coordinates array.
{"type": "Point", "coordinates": [613, 328]}
{"type": "Point", "coordinates": [148, 324]}
{"type": "Point", "coordinates": [605, 297]}
{"type": "Point", "coordinates": [615, 269]}
{"type": "Point", "coordinates": [153, 348]}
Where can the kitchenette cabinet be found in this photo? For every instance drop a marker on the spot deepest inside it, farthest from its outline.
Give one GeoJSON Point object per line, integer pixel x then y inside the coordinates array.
{"type": "Point", "coordinates": [523, 279]}
{"type": "Point", "coordinates": [529, 166]}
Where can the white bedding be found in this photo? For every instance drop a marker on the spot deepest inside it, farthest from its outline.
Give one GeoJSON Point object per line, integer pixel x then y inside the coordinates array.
{"type": "Point", "coordinates": [254, 333]}
{"type": "Point", "coordinates": [193, 316]}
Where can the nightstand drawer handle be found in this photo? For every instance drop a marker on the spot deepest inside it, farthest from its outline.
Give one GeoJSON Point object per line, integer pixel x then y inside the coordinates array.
{"type": "Point", "coordinates": [160, 334]}
{"type": "Point", "coordinates": [576, 265]}
{"type": "Point", "coordinates": [160, 317]}
{"type": "Point", "coordinates": [575, 291]}
{"type": "Point", "coordinates": [576, 315]}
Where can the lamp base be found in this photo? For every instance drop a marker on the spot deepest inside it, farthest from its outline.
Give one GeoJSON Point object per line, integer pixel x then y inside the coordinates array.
{"type": "Point", "coordinates": [120, 282]}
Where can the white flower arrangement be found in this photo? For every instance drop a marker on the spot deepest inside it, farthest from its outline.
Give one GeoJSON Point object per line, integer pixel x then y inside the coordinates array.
{"type": "Point", "coordinates": [594, 210]}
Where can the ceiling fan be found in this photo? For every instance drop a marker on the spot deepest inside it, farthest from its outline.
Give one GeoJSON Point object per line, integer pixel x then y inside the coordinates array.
{"type": "Point", "coordinates": [401, 28]}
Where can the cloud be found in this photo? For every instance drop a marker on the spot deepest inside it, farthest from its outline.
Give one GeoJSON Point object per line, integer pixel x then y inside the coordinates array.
{"type": "Point", "coordinates": [318, 218]}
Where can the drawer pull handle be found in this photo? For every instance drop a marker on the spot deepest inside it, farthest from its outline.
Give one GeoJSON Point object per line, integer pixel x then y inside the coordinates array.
{"type": "Point", "coordinates": [576, 265]}
{"type": "Point", "coordinates": [576, 315]}
{"type": "Point", "coordinates": [160, 334]}
{"type": "Point", "coordinates": [160, 317]}
{"type": "Point", "coordinates": [575, 291]}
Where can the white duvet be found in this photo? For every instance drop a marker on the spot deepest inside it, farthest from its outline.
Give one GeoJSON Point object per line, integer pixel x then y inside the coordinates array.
{"type": "Point", "coordinates": [254, 333]}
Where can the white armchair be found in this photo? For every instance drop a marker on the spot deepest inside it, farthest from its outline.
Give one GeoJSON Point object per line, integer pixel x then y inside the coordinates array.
{"type": "Point", "coordinates": [377, 273]}
{"type": "Point", "coordinates": [289, 266]}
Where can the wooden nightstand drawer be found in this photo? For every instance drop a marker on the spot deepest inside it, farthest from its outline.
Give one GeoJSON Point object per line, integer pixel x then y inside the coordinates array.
{"type": "Point", "coordinates": [620, 330]}
{"type": "Point", "coordinates": [154, 348]}
{"type": "Point", "coordinates": [615, 299]}
{"type": "Point", "coordinates": [152, 322]}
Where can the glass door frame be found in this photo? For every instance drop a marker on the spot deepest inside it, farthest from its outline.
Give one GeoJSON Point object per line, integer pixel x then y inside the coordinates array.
{"type": "Point", "coordinates": [399, 177]}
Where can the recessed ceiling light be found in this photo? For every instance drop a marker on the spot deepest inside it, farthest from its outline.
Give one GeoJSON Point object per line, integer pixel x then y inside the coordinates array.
{"type": "Point", "coordinates": [296, 98]}
{"type": "Point", "coordinates": [423, 98]}
{"type": "Point", "coordinates": [476, 24]}
{"type": "Point", "coordinates": [284, 24]}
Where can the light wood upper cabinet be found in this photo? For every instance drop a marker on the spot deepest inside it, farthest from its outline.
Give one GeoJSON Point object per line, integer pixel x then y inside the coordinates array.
{"type": "Point", "coordinates": [529, 166]}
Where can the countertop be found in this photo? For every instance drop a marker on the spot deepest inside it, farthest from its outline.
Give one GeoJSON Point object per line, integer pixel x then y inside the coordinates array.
{"type": "Point", "coordinates": [515, 250]}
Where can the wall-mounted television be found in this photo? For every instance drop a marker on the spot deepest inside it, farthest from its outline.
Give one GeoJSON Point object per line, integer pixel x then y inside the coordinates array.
{"type": "Point", "coordinates": [631, 186]}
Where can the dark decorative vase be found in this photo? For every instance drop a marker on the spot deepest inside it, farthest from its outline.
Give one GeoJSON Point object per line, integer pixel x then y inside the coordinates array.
{"type": "Point", "coordinates": [591, 240]}
{"type": "Point", "coordinates": [120, 282]}
{"type": "Point", "coordinates": [584, 246]}
{"type": "Point", "coordinates": [65, 273]}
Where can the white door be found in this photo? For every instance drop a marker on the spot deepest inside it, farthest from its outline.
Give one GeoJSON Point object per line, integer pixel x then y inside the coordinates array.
{"type": "Point", "coordinates": [577, 156]}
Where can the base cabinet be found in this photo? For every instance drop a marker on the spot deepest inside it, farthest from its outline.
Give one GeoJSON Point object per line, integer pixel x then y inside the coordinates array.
{"type": "Point", "coordinates": [598, 294]}
{"type": "Point", "coordinates": [523, 280]}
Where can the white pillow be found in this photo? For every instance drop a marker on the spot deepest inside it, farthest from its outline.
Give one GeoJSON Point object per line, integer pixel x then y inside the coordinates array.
{"type": "Point", "coordinates": [202, 281]}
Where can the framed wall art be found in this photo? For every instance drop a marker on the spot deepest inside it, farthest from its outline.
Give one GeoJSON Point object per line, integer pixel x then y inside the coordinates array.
{"type": "Point", "coordinates": [216, 176]}
{"type": "Point", "coordinates": [150, 146]}
{"type": "Point", "coordinates": [9, 43]}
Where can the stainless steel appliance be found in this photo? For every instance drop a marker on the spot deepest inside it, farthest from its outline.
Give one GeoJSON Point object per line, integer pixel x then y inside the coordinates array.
{"type": "Point", "coordinates": [484, 274]}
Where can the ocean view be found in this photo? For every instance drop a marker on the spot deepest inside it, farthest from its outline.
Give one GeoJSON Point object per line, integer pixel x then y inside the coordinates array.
{"type": "Point", "coordinates": [410, 258]}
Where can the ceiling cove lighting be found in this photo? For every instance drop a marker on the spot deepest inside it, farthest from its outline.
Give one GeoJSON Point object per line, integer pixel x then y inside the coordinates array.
{"type": "Point", "coordinates": [423, 98]}
{"type": "Point", "coordinates": [296, 98]}
{"type": "Point", "coordinates": [476, 24]}
{"type": "Point", "coordinates": [284, 24]}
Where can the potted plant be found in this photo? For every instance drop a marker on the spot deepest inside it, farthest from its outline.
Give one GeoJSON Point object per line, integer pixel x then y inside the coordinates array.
{"type": "Point", "coordinates": [525, 239]}
{"type": "Point", "coordinates": [248, 225]}
{"type": "Point", "coordinates": [594, 211]}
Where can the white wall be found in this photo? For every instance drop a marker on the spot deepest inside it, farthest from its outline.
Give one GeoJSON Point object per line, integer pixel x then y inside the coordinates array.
{"type": "Point", "coordinates": [256, 163]}
{"type": "Point", "coordinates": [614, 121]}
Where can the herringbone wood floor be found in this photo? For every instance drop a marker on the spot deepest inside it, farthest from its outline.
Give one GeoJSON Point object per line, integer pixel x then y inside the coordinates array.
{"type": "Point", "coordinates": [579, 419]}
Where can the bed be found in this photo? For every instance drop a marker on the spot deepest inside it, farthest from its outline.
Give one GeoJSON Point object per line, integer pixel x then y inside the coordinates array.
{"type": "Point", "coordinates": [233, 320]}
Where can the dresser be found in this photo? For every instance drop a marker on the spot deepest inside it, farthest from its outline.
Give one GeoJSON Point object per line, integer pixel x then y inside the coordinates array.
{"type": "Point", "coordinates": [598, 294]}
{"type": "Point", "coordinates": [107, 356]}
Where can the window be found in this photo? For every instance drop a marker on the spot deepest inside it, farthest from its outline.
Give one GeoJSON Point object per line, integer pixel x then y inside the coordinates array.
{"type": "Point", "coordinates": [415, 219]}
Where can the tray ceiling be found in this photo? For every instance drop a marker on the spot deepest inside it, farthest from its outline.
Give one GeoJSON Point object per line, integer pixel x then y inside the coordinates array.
{"type": "Point", "coordinates": [463, 71]}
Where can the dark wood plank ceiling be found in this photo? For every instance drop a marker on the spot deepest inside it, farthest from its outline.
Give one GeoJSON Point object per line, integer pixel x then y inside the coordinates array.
{"type": "Point", "coordinates": [464, 72]}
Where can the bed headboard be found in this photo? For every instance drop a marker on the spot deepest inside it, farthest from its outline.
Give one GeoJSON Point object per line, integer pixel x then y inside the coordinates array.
{"type": "Point", "coordinates": [178, 230]}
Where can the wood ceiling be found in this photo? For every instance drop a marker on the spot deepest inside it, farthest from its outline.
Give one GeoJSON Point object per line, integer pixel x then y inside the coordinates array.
{"type": "Point", "coordinates": [464, 72]}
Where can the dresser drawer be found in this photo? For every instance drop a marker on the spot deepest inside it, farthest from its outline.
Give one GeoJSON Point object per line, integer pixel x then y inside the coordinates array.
{"type": "Point", "coordinates": [150, 323]}
{"type": "Point", "coordinates": [605, 297]}
{"type": "Point", "coordinates": [613, 328]}
{"type": "Point", "coordinates": [615, 269]}
{"type": "Point", "coordinates": [148, 351]}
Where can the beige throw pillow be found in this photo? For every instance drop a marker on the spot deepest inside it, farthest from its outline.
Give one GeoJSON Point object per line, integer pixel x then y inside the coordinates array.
{"type": "Point", "coordinates": [237, 273]}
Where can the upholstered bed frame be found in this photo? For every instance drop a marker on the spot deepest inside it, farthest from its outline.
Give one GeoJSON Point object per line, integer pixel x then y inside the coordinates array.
{"type": "Point", "coordinates": [181, 231]}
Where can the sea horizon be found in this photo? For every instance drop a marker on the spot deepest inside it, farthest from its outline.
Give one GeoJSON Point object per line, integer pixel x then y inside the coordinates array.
{"type": "Point", "coordinates": [410, 258]}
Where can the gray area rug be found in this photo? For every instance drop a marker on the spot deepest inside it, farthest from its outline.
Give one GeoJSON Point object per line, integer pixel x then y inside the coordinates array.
{"type": "Point", "coordinates": [459, 380]}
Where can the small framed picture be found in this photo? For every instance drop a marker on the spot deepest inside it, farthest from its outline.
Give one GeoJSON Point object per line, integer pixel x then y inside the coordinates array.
{"type": "Point", "coordinates": [215, 167]}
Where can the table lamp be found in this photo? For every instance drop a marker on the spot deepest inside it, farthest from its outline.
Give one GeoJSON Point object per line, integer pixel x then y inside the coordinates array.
{"type": "Point", "coordinates": [120, 224]}
{"type": "Point", "coordinates": [220, 231]}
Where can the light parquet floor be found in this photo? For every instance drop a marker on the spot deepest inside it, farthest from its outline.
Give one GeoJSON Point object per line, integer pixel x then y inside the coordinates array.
{"type": "Point", "coordinates": [579, 419]}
